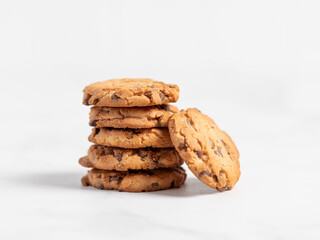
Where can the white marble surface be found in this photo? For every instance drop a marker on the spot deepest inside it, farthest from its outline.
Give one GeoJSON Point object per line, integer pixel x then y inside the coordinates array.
{"type": "Point", "coordinates": [277, 196]}
{"type": "Point", "coordinates": [251, 65]}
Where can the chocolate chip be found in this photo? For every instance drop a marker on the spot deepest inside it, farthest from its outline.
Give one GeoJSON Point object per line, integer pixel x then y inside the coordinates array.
{"type": "Point", "coordinates": [108, 151]}
{"type": "Point", "coordinates": [99, 147]}
{"type": "Point", "coordinates": [95, 101]}
{"type": "Point", "coordinates": [93, 123]}
{"type": "Point", "coordinates": [199, 153]}
{"type": "Point", "coordinates": [86, 101]}
{"type": "Point", "coordinates": [142, 154]}
{"type": "Point", "coordinates": [211, 143]}
{"type": "Point", "coordinates": [107, 110]}
{"type": "Point", "coordinates": [97, 130]}
{"type": "Point", "coordinates": [166, 107]}
{"type": "Point", "coordinates": [118, 156]}
{"type": "Point", "coordinates": [99, 175]}
{"type": "Point", "coordinates": [172, 184]}
{"type": "Point", "coordinates": [215, 179]}
{"type": "Point", "coordinates": [224, 188]}
{"type": "Point", "coordinates": [206, 173]}
{"type": "Point", "coordinates": [189, 122]}
{"type": "Point", "coordinates": [182, 145]}
{"type": "Point", "coordinates": [148, 95]}
{"type": "Point", "coordinates": [115, 97]}
{"type": "Point", "coordinates": [135, 131]}
{"type": "Point", "coordinates": [159, 119]}
{"type": "Point", "coordinates": [154, 185]}
{"type": "Point", "coordinates": [162, 96]}
{"type": "Point", "coordinates": [113, 178]}
{"type": "Point", "coordinates": [219, 151]}
{"type": "Point", "coordinates": [100, 186]}
{"type": "Point", "coordinates": [152, 86]}
{"type": "Point", "coordinates": [154, 159]}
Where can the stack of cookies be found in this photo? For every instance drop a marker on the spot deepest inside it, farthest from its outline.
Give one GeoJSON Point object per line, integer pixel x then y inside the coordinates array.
{"type": "Point", "coordinates": [132, 148]}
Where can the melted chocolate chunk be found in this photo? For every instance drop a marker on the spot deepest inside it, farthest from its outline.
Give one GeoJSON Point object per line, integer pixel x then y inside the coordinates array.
{"type": "Point", "coordinates": [100, 186]}
{"type": "Point", "coordinates": [182, 145]}
{"type": "Point", "coordinates": [118, 156]}
{"type": "Point", "coordinates": [115, 97]}
{"type": "Point", "coordinates": [154, 185]}
{"type": "Point", "coordinates": [219, 151]}
{"type": "Point", "coordinates": [95, 101]}
{"type": "Point", "coordinates": [166, 107]}
{"type": "Point", "coordinates": [162, 96]}
{"type": "Point", "coordinates": [107, 110]}
{"type": "Point", "coordinates": [199, 153]}
{"type": "Point", "coordinates": [148, 95]}
{"type": "Point", "coordinates": [211, 143]}
{"type": "Point", "coordinates": [159, 119]}
{"type": "Point", "coordinates": [113, 178]}
{"type": "Point", "coordinates": [142, 154]}
{"type": "Point", "coordinates": [204, 173]}
{"type": "Point", "coordinates": [108, 151]}
{"type": "Point", "coordinates": [86, 102]}
{"type": "Point", "coordinates": [93, 123]}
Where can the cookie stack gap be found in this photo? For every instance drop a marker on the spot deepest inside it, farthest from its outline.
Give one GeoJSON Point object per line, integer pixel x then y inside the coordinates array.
{"type": "Point", "coordinates": [132, 148]}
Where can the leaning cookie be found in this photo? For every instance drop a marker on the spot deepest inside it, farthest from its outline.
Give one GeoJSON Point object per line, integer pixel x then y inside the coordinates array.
{"type": "Point", "coordinates": [226, 139]}
{"type": "Point", "coordinates": [199, 143]}
{"type": "Point", "coordinates": [230, 145]}
{"type": "Point", "coordinates": [134, 117]}
{"type": "Point", "coordinates": [130, 93]}
{"type": "Point", "coordinates": [109, 158]}
{"type": "Point", "coordinates": [131, 138]}
{"type": "Point", "coordinates": [135, 181]}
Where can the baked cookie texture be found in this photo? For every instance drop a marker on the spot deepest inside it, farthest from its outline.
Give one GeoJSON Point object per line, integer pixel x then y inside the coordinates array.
{"type": "Point", "coordinates": [230, 145]}
{"type": "Point", "coordinates": [200, 144]}
{"type": "Point", "coordinates": [134, 117]}
{"type": "Point", "coordinates": [130, 93]}
{"type": "Point", "coordinates": [135, 181]}
{"type": "Point", "coordinates": [131, 138]}
{"type": "Point", "coordinates": [119, 159]}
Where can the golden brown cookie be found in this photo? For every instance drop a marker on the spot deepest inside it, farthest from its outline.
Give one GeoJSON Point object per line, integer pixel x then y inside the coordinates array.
{"type": "Point", "coordinates": [135, 181]}
{"type": "Point", "coordinates": [130, 93]}
{"type": "Point", "coordinates": [198, 141]}
{"type": "Point", "coordinates": [120, 159]}
{"type": "Point", "coordinates": [131, 138]}
{"type": "Point", "coordinates": [134, 117]}
{"type": "Point", "coordinates": [230, 145]}
{"type": "Point", "coordinates": [228, 142]}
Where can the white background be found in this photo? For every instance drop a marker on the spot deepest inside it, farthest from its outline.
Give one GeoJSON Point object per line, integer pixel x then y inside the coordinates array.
{"type": "Point", "coordinates": [253, 66]}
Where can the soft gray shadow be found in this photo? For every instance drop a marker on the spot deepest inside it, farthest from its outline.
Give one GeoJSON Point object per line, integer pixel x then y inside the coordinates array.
{"type": "Point", "coordinates": [72, 180]}
{"type": "Point", "coordinates": [60, 180]}
{"type": "Point", "coordinates": [191, 188]}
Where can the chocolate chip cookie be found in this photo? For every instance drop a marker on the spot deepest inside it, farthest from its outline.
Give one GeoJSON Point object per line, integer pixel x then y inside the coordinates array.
{"type": "Point", "coordinates": [135, 181]}
{"type": "Point", "coordinates": [134, 117]}
{"type": "Point", "coordinates": [131, 138]}
{"type": "Point", "coordinates": [130, 93]}
{"type": "Point", "coordinates": [109, 158]}
{"type": "Point", "coordinates": [230, 145]}
{"type": "Point", "coordinates": [199, 143]}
